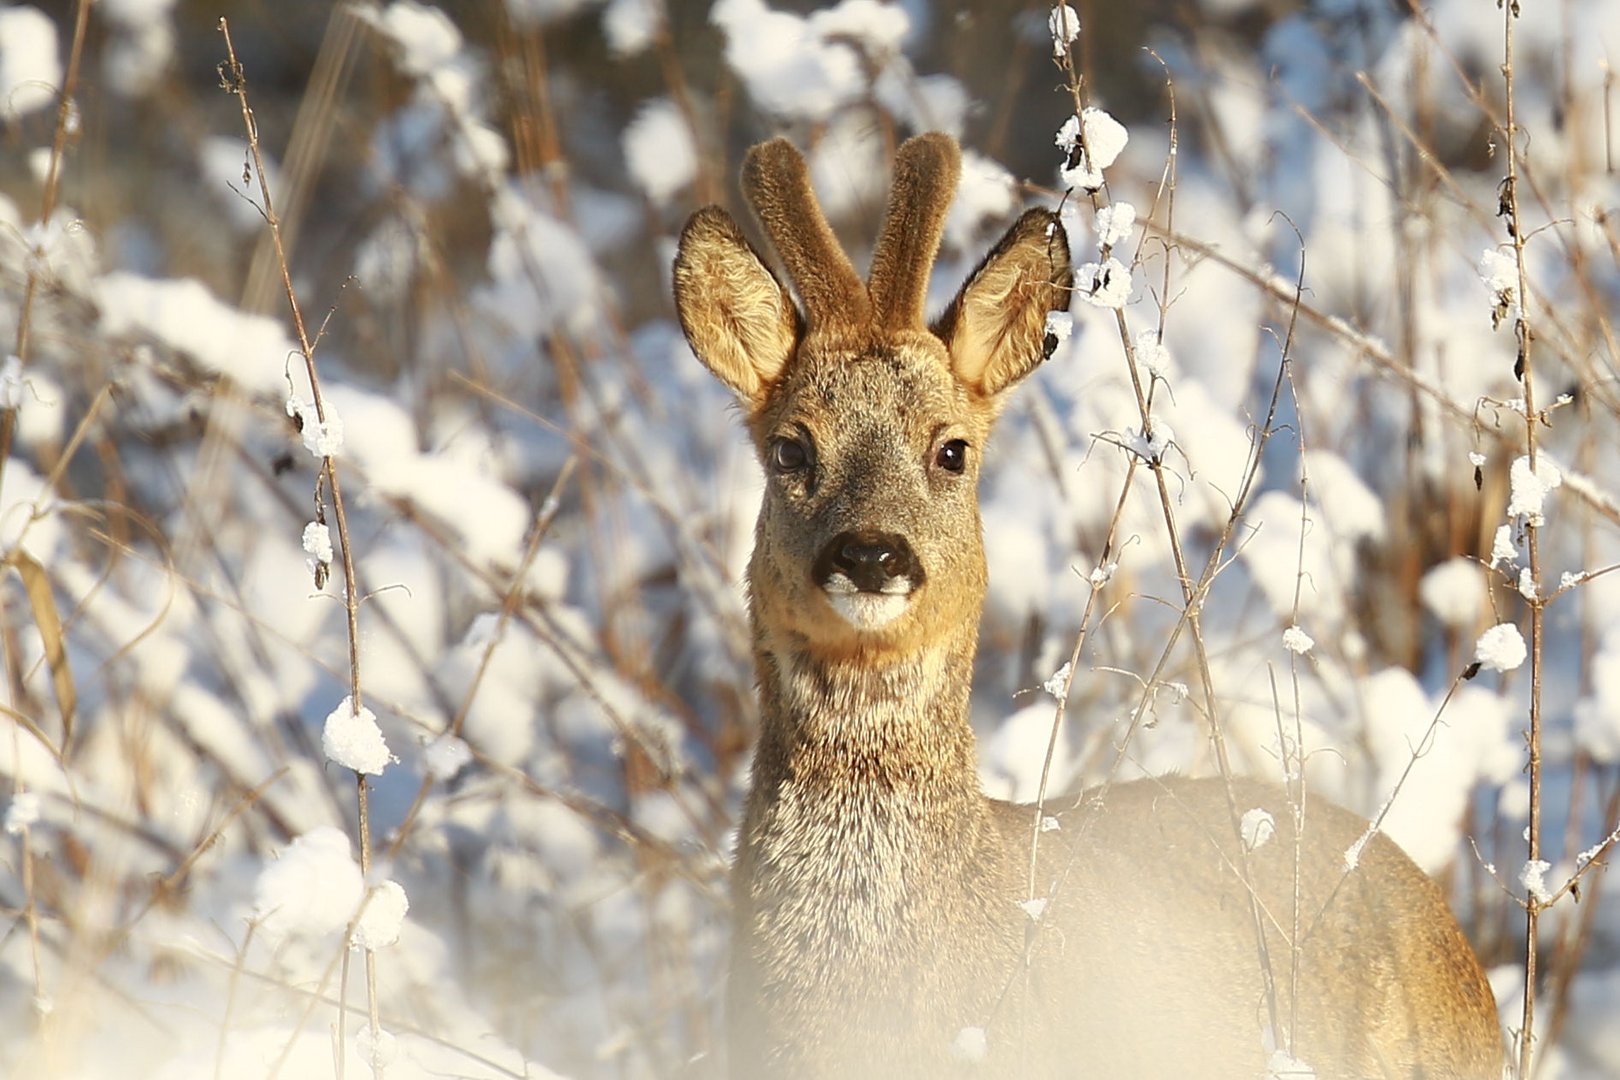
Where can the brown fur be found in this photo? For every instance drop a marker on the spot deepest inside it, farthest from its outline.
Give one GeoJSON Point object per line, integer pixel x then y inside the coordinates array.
{"type": "Point", "coordinates": [877, 889]}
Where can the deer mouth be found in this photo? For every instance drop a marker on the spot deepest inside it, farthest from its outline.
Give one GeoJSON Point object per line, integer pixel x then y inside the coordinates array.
{"type": "Point", "coordinates": [868, 577]}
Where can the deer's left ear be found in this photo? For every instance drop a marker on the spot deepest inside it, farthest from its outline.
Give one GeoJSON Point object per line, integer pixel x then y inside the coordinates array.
{"type": "Point", "coordinates": [995, 329]}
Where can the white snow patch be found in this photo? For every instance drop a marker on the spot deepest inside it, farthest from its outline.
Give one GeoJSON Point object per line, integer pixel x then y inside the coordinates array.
{"type": "Point", "coordinates": [1256, 827]}
{"type": "Point", "coordinates": [1058, 684]}
{"type": "Point", "coordinates": [1115, 224]}
{"type": "Point", "coordinates": [1528, 490]}
{"type": "Point", "coordinates": [12, 387]}
{"type": "Point", "coordinates": [1297, 641]}
{"type": "Point", "coordinates": [631, 26]}
{"type": "Point", "coordinates": [322, 438]}
{"type": "Point", "coordinates": [1106, 284]}
{"type": "Point", "coordinates": [353, 739]}
{"type": "Point", "coordinates": [378, 1054]}
{"type": "Point", "coordinates": [987, 193]}
{"type": "Point", "coordinates": [1533, 876]}
{"type": "Point", "coordinates": [1597, 717]}
{"type": "Point", "coordinates": [1105, 137]}
{"type": "Point", "coordinates": [317, 541]}
{"type": "Point", "coordinates": [312, 889]}
{"type": "Point", "coordinates": [23, 813]}
{"type": "Point", "coordinates": [30, 70]}
{"type": "Point", "coordinates": [445, 756]}
{"type": "Point", "coordinates": [1454, 592]}
{"type": "Point", "coordinates": [659, 150]}
{"type": "Point", "coordinates": [424, 36]}
{"type": "Point", "coordinates": [1152, 354]}
{"type": "Point", "coordinates": [1063, 23]}
{"type": "Point", "coordinates": [1504, 550]}
{"type": "Point", "coordinates": [383, 916]}
{"type": "Point", "coordinates": [1012, 757]}
{"type": "Point", "coordinates": [1501, 648]}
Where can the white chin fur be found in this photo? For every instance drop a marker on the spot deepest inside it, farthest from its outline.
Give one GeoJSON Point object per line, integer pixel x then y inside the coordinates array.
{"type": "Point", "coordinates": [868, 611]}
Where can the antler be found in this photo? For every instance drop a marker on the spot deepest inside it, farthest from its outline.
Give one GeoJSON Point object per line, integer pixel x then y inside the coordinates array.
{"type": "Point", "coordinates": [926, 171]}
{"type": "Point", "coordinates": [777, 185]}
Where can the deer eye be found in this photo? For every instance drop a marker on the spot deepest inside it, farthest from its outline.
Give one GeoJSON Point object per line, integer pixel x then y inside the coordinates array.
{"type": "Point", "coordinates": [952, 456]}
{"type": "Point", "coordinates": [788, 455]}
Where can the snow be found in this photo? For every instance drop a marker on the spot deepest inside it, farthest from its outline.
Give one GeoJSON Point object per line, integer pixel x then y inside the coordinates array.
{"type": "Point", "coordinates": [1059, 325]}
{"type": "Point", "coordinates": [22, 813]}
{"type": "Point", "coordinates": [30, 71]}
{"type": "Point", "coordinates": [253, 351]}
{"type": "Point", "coordinates": [1150, 447]}
{"type": "Point", "coordinates": [424, 37]}
{"type": "Point", "coordinates": [1105, 137]}
{"type": "Point", "coordinates": [659, 150]}
{"type": "Point", "coordinates": [1501, 648]}
{"type": "Point", "coordinates": [1115, 224]}
{"type": "Point", "coordinates": [1064, 26]}
{"type": "Point", "coordinates": [312, 889]}
{"type": "Point", "coordinates": [445, 756]}
{"type": "Point", "coordinates": [379, 1054]}
{"type": "Point", "coordinates": [786, 63]}
{"type": "Point", "coordinates": [1058, 684]}
{"type": "Point", "coordinates": [1297, 641]}
{"type": "Point", "coordinates": [382, 917]}
{"type": "Point", "coordinates": [11, 383]}
{"type": "Point", "coordinates": [1533, 876]}
{"type": "Point", "coordinates": [878, 27]}
{"type": "Point", "coordinates": [322, 438]}
{"type": "Point", "coordinates": [1256, 827]}
{"type": "Point", "coordinates": [1106, 284]}
{"type": "Point", "coordinates": [1528, 489]}
{"type": "Point", "coordinates": [1011, 759]}
{"type": "Point", "coordinates": [353, 740]}
{"type": "Point", "coordinates": [987, 194]}
{"type": "Point", "coordinates": [224, 161]}
{"type": "Point", "coordinates": [1504, 549]}
{"type": "Point", "coordinates": [631, 26]}
{"type": "Point", "coordinates": [1499, 270]}
{"type": "Point", "coordinates": [1454, 593]}
{"type": "Point", "coordinates": [142, 48]}
{"type": "Point", "coordinates": [1152, 354]}
{"type": "Point", "coordinates": [317, 542]}
{"type": "Point", "coordinates": [1597, 715]}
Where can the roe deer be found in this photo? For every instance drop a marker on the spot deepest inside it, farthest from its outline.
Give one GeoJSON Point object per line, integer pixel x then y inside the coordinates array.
{"type": "Point", "coordinates": [879, 931]}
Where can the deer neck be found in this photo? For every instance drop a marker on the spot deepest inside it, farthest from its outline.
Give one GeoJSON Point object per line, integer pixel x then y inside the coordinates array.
{"type": "Point", "coordinates": [881, 753]}
{"type": "Point", "coordinates": [853, 722]}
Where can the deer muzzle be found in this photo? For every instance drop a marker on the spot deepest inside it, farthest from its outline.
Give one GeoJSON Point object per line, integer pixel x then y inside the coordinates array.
{"type": "Point", "coordinates": [868, 576]}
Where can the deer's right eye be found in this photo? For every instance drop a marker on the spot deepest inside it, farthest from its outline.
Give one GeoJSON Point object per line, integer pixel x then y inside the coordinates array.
{"type": "Point", "coordinates": [788, 455]}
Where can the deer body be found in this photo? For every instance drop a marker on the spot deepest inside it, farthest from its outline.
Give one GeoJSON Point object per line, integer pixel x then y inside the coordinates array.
{"type": "Point", "coordinates": [881, 921]}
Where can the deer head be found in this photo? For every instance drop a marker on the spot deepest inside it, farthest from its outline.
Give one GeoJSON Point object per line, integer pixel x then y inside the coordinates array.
{"type": "Point", "coordinates": [868, 422]}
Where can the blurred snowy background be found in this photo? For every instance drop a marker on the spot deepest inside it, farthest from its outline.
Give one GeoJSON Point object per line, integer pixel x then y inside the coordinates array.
{"type": "Point", "coordinates": [550, 503]}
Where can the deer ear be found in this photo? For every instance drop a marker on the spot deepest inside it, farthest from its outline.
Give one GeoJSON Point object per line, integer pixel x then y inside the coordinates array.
{"type": "Point", "coordinates": [738, 318]}
{"type": "Point", "coordinates": [995, 329]}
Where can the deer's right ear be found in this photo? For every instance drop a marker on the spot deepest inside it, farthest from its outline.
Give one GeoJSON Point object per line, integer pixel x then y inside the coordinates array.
{"type": "Point", "coordinates": [738, 318]}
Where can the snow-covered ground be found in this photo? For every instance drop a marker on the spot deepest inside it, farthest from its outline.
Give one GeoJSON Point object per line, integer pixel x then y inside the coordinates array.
{"type": "Point", "coordinates": [549, 502]}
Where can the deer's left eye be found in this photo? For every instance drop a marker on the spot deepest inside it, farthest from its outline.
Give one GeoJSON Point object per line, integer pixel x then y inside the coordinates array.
{"type": "Point", "coordinates": [952, 456]}
{"type": "Point", "coordinates": [788, 455]}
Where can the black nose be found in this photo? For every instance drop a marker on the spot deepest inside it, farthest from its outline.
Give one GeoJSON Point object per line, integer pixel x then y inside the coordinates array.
{"type": "Point", "coordinates": [869, 559]}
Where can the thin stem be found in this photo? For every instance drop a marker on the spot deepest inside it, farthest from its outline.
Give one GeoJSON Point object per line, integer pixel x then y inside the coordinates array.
{"type": "Point", "coordinates": [235, 82]}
